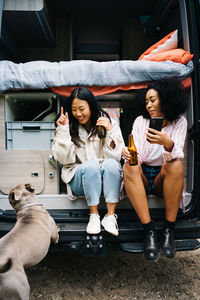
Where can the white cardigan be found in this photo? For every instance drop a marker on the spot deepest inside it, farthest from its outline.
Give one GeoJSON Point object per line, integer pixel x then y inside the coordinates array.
{"type": "Point", "coordinates": [91, 148]}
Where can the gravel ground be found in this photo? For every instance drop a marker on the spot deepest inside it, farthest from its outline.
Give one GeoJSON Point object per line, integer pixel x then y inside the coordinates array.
{"type": "Point", "coordinates": [120, 275]}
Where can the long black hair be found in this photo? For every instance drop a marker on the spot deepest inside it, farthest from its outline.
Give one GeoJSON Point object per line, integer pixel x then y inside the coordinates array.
{"type": "Point", "coordinates": [85, 94]}
{"type": "Point", "coordinates": [173, 98]}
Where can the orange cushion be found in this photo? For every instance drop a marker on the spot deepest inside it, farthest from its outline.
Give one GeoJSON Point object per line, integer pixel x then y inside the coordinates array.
{"type": "Point", "coordinates": [169, 42]}
{"type": "Point", "coordinates": [103, 90]}
{"type": "Point", "coordinates": [99, 90]}
{"type": "Point", "coordinates": [176, 55]}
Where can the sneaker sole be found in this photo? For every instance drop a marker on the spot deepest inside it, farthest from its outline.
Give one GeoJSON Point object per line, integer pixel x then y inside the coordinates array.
{"type": "Point", "coordinates": [90, 232]}
{"type": "Point", "coordinates": [109, 231]}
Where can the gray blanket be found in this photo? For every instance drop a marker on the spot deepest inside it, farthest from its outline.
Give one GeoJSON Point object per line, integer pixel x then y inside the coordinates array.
{"type": "Point", "coordinates": [44, 74]}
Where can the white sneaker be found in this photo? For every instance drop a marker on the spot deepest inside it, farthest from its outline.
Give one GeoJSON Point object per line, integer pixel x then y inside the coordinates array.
{"type": "Point", "coordinates": [93, 226]}
{"type": "Point", "coordinates": [109, 223]}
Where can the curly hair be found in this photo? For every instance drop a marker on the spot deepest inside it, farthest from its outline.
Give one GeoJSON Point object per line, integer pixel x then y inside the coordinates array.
{"type": "Point", "coordinates": [173, 98]}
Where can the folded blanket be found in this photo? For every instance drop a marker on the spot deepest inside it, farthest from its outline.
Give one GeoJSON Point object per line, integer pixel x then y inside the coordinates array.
{"type": "Point", "coordinates": [44, 74]}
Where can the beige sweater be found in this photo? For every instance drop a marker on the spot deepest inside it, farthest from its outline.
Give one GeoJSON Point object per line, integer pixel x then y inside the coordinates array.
{"type": "Point", "coordinates": [91, 148]}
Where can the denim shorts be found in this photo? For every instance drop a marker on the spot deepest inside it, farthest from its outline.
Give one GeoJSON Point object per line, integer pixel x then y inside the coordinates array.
{"type": "Point", "coordinates": [150, 172]}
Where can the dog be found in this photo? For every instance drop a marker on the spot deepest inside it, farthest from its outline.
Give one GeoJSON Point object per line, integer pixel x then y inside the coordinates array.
{"type": "Point", "coordinates": [26, 244]}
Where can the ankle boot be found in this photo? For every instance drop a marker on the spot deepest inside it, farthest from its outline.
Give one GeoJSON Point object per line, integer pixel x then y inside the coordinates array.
{"type": "Point", "coordinates": [150, 245]}
{"type": "Point", "coordinates": [168, 247]}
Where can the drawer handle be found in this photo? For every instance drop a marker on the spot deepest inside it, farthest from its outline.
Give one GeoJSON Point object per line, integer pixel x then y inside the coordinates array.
{"type": "Point", "coordinates": [31, 128]}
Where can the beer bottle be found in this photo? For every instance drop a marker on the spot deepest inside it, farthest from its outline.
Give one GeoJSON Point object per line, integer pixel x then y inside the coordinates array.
{"type": "Point", "coordinates": [133, 151]}
{"type": "Point", "coordinates": [101, 131]}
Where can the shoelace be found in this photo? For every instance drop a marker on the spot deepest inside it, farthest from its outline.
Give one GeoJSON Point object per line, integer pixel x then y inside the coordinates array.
{"type": "Point", "coordinates": [115, 217]}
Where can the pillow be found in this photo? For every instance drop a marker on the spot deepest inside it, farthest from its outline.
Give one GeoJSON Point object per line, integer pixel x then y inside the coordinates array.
{"type": "Point", "coordinates": [176, 55]}
{"type": "Point", "coordinates": [169, 42]}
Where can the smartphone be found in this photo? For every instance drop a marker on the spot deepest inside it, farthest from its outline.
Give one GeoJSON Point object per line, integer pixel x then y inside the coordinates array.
{"type": "Point", "coordinates": [156, 123]}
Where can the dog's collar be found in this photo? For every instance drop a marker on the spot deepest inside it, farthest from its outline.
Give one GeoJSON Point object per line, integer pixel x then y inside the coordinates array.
{"type": "Point", "coordinates": [29, 205]}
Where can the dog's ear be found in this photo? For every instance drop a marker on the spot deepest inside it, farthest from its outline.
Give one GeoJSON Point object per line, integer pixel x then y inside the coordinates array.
{"type": "Point", "coordinates": [15, 196]}
{"type": "Point", "coordinates": [29, 188]}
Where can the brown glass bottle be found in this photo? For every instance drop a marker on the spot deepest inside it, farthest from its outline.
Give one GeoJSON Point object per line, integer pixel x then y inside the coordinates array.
{"type": "Point", "coordinates": [101, 131]}
{"type": "Point", "coordinates": [133, 151]}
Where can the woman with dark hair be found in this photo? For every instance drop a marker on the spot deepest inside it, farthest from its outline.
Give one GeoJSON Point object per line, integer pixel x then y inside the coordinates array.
{"type": "Point", "coordinates": [159, 170]}
{"type": "Point", "coordinates": [90, 163]}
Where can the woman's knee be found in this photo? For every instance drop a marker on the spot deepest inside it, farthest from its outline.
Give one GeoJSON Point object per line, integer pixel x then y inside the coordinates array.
{"type": "Point", "coordinates": [173, 167]}
{"type": "Point", "coordinates": [91, 166]}
{"type": "Point", "coordinates": [131, 172]}
{"type": "Point", "coordinates": [111, 166]}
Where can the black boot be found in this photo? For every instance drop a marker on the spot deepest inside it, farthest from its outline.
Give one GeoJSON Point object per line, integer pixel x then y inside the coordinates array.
{"type": "Point", "coordinates": [150, 242]}
{"type": "Point", "coordinates": [168, 247]}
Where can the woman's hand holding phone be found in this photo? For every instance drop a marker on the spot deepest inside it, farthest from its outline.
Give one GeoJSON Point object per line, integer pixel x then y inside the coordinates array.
{"type": "Point", "coordinates": [154, 129]}
{"type": "Point", "coordinates": [154, 136]}
{"type": "Point", "coordinates": [156, 123]}
{"type": "Point", "coordinates": [160, 137]}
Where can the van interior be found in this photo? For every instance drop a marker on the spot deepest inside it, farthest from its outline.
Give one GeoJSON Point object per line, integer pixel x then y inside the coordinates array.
{"type": "Point", "coordinates": [75, 30]}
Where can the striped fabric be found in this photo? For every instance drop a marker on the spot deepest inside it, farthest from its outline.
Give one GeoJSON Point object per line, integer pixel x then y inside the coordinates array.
{"type": "Point", "coordinates": [176, 130]}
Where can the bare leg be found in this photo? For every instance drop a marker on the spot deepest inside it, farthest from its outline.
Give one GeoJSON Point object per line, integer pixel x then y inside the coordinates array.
{"type": "Point", "coordinates": [135, 183]}
{"type": "Point", "coordinates": [94, 210]}
{"type": "Point", "coordinates": [111, 207]}
{"type": "Point", "coordinates": [170, 183]}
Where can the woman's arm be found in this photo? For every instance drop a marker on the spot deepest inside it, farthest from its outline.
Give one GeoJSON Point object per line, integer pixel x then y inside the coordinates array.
{"type": "Point", "coordinates": [114, 142]}
{"type": "Point", "coordinates": [63, 148]}
{"type": "Point", "coordinates": [178, 136]}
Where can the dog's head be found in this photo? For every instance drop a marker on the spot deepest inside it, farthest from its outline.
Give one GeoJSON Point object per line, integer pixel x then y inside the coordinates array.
{"type": "Point", "coordinates": [20, 195]}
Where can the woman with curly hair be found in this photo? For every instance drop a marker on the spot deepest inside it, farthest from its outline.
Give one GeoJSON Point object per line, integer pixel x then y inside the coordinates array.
{"type": "Point", "coordinates": [159, 170]}
{"type": "Point", "coordinates": [90, 164]}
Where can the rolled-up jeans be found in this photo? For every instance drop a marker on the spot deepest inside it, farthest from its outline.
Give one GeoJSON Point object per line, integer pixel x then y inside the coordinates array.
{"type": "Point", "coordinates": [91, 177]}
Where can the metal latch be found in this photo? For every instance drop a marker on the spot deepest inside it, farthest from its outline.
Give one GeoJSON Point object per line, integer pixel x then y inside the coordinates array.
{"type": "Point", "coordinates": [52, 161]}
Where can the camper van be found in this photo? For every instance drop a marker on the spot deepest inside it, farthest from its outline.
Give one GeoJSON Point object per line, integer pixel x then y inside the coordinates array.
{"type": "Point", "coordinates": [42, 38]}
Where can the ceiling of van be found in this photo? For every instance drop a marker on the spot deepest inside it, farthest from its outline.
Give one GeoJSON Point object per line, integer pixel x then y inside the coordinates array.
{"type": "Point", "coordinates": [88, 7]}
{"type": "Point", "coordinates": [26, 25]}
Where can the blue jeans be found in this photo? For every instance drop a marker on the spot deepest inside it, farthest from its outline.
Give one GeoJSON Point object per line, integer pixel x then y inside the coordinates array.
{"type": "Point", "coordinates": [91, 177]}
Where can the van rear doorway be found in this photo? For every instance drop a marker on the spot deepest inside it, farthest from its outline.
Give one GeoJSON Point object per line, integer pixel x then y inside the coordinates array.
{"type": "Point", "coordinates": [100, 33]}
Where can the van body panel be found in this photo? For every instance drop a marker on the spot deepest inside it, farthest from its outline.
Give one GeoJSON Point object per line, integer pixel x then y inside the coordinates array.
{"type": "Point", "coordinates": [192, 10]}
